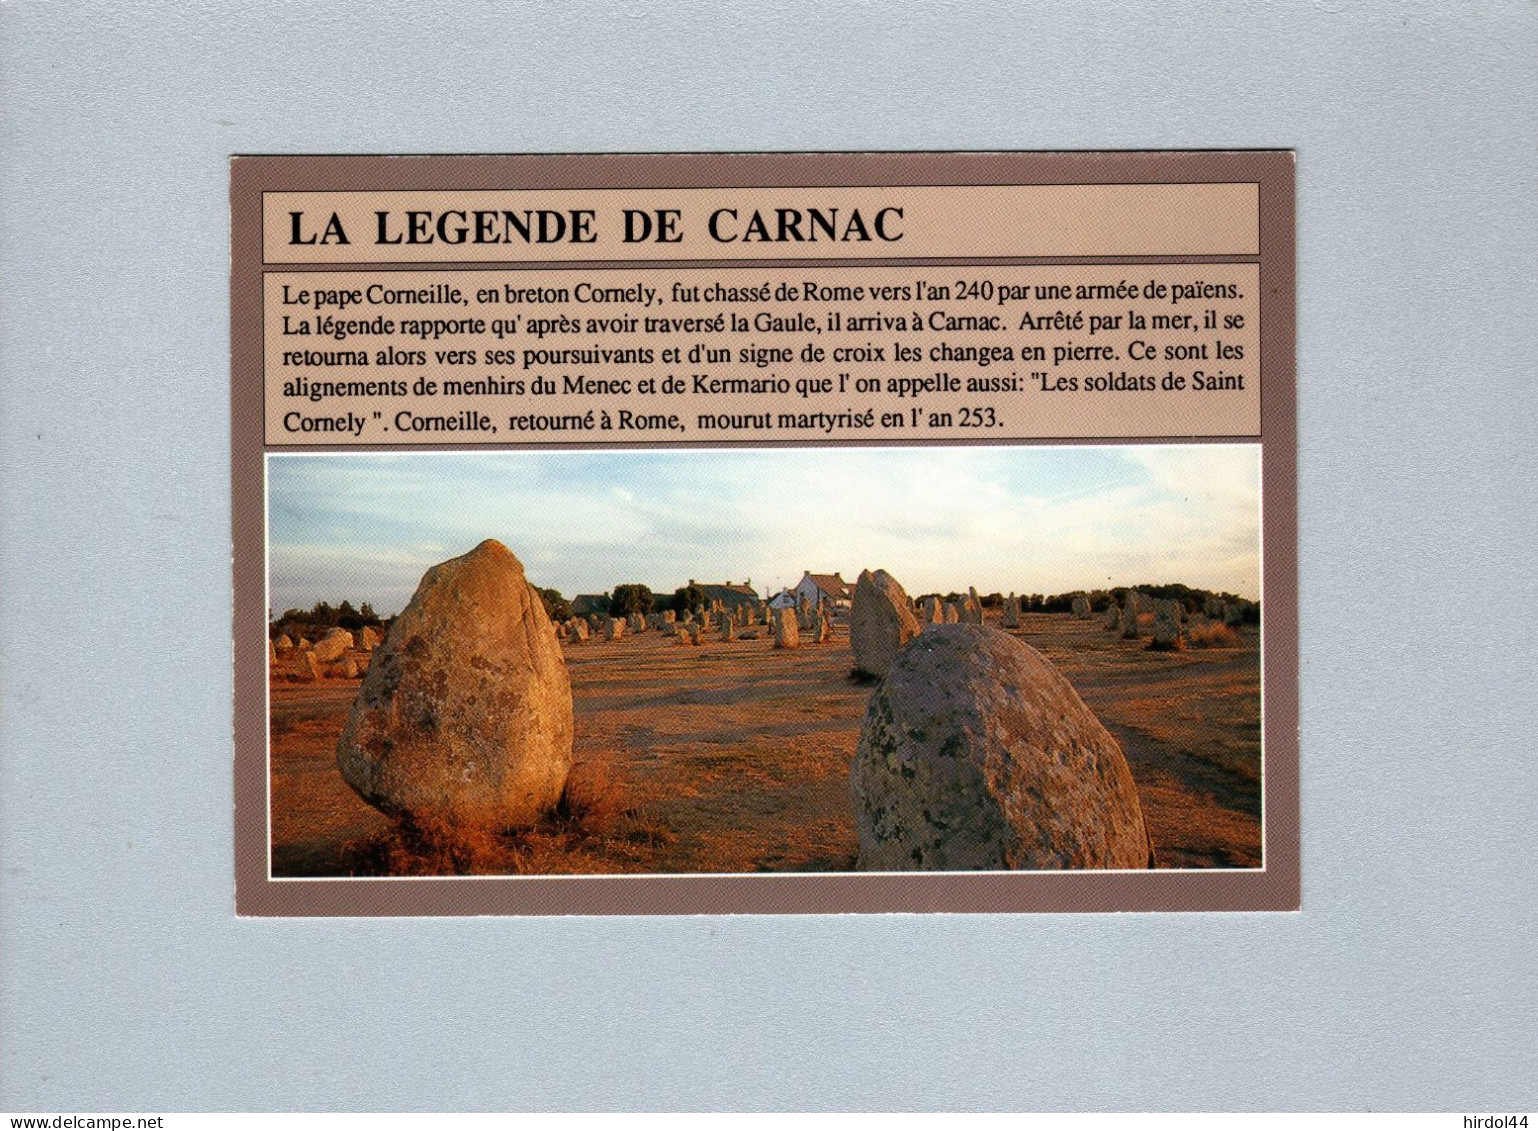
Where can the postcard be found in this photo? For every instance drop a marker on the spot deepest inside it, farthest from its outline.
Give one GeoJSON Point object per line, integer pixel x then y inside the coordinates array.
{"type": "Point", "coordinates": [764, 533]}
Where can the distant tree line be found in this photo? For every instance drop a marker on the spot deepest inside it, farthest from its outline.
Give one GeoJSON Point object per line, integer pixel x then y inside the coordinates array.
{"type": "Point", "coordinates": [557, 608]}
{"type": "Point", "coordinates": [636, 598]}
{"type": "Point", "coordinates": [626, 599]}
{"type": "Point", "coordinates": [689, 599]}
{"type": "Point", "coordinates": [1100, 600]}
{"type": "Point", "coordinates": [323, 616]}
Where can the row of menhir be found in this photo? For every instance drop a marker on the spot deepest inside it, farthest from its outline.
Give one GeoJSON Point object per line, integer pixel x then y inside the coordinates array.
{"type": "Point", "coordinates": [974, 752]}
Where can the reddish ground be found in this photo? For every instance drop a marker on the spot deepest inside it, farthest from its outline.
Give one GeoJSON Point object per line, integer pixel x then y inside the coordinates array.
{"type": "Point", "coordinates": [735, 757]}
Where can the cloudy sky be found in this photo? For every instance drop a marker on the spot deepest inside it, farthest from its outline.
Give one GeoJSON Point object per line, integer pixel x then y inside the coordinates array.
{"type": "Point", "coordinates": [1029, 520]}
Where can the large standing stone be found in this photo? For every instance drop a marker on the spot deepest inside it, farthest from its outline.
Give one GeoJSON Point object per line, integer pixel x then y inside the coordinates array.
{"type": "Point", "coordinates": [1011, 615]}
{"type": "Point", "coordinates": [464, 718]}
{"type": "Point", "coordinates": [976, 754]}
{"type": "Point", "coordinates": [284, 644]}
{"type": "Point", "coordinates": [1166, 626]}
{"type": "Point", "coordinates": [1081, 608]}
{"type": "Point", "coordinates": [880, 622]}
{"type": "Point", "coordinates": [1132, 607]}
{"type": "Point", "coordinates": [786, 634]}
{"type": "Point", "coordinates": [305, 667]}
{"type": "Point", "coordinates": [972, 607]}
{"type": "Point", "coordinates": [822, 628]}
{"type": "Point", "coordinates": [334, 644]}
{"type": "Point", "coordinates": [368, 638]}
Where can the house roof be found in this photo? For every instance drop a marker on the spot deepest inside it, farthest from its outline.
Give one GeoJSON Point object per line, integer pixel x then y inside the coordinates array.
{"type": "Point", "coordinates": [730, 587]}
{"type": "Point", "coordinates": [728, 594]}
{"type": "Point", "coordinates": [831, 584]}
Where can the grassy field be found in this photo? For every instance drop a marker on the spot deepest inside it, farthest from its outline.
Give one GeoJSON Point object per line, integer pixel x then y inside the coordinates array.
{"type": "Point", "coordinates": [735, 758]}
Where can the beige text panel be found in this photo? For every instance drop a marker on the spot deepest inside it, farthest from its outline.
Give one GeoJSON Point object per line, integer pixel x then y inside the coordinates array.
{"type": "Point", "coordinates": [752, 355]}
{"type": "Point", "coordinates": [978, 221]}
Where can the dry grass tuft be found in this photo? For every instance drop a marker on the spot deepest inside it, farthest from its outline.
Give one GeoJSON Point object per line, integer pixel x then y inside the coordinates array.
{"type": "Point", "coordinates": [427, 847]}
{"type": "Point", "coordinates": [649, 833]}
{"type": "Point", "coordinates": [593, 810]}
{"type": "Point", "coordinates": [1213, 634]}
{"type": "Point", "coordinates": [594, 800]}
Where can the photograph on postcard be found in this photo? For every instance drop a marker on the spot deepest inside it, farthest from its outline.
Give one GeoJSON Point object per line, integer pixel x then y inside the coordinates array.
{"type": "Point", "coordinates": [813, 660]}
{"type": "Point", "coordinates": [764, 533]}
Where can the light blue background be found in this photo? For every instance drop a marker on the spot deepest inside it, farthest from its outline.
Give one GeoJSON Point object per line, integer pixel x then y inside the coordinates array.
{"type": "Point", "coordinates": [1409, 980]}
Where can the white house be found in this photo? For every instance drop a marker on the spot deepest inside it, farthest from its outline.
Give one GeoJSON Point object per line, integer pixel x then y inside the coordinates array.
{"type": "Point", "coordinates": [823, 589]}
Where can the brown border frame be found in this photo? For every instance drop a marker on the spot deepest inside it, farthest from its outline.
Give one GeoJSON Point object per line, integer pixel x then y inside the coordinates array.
{"type": "Point", "coordinates": [1275, 887]}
